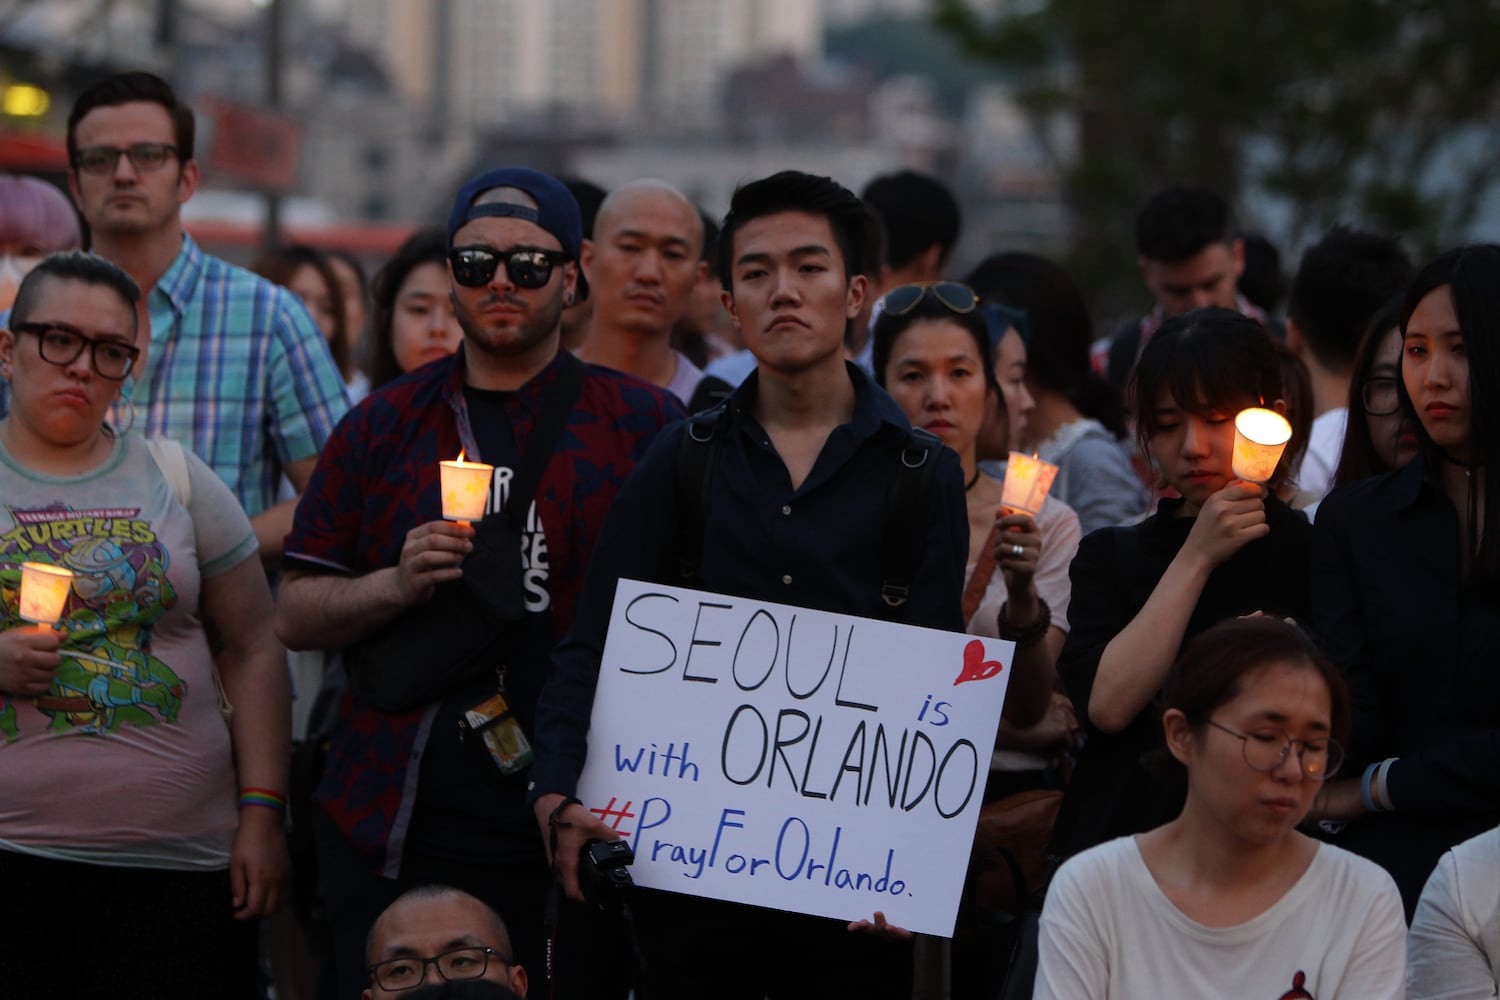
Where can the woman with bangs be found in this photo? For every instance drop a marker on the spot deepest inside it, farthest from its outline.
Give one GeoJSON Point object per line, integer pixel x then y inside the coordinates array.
{"type": "Point", "coordinates": [1221, 548]}
{"type": "Point", "coordinates": [1408, 589]}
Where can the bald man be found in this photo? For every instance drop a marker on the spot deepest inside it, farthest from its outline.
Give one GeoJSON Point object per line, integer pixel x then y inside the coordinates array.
{"type": "Point", "coordinates": [642, 263]}
{"type": "Point", "coordinates": [434, 935]}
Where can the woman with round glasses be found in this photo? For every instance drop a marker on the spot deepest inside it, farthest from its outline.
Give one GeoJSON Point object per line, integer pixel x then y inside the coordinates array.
{"type": "Point", "coordinates": [1386, 439]}
{"type": "Point", "coordinates": [414, 320]}
{"type": "Point", "coordinates": [1228, 898]}
{"type": "Point", "coordinates": [122, 770]}
{"type": "Point", "coordinates": [931, 352]}
{"type": "Point", "coordinates": [1407, 589]}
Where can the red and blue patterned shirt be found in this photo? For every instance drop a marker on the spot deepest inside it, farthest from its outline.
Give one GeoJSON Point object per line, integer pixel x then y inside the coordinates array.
{"type": "Point", "coordinates": [377, 479]}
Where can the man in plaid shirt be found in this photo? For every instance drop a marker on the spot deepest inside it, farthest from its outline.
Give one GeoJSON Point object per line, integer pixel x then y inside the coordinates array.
{"type": "Point", "coordinates": [235, 368]}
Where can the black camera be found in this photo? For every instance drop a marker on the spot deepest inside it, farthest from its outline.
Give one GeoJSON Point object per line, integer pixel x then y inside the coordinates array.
{"type": "Point", "coordinates": [604, 871]}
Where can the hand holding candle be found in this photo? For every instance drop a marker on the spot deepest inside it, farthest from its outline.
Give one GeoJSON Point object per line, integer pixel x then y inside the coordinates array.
{"type": "Point", "coordinates": [1260, 436]}
{"type": "Point", "coordinates": [44, 592]}
{"type": "Point", "coordinates": [466, 488]}
{"type": "Point", "coordinates": [1027, 480]}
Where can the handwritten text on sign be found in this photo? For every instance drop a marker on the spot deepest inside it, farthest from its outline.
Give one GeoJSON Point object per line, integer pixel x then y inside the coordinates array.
{"type": "Point", "coordinates": [790, 758]}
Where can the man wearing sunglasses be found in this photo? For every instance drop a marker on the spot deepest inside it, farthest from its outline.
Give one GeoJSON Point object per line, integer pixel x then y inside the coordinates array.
{"type": "Point", "coordinates": [406, 798]}
{"type": "Point", "coordinates": [1342, 282]}
{"type": "Point", "coordinates": [809, 447]}
{"type": "Point", "coordinates": [230, 365]}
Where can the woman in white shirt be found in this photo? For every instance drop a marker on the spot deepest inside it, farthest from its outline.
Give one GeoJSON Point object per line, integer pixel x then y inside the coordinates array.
{"type": "Point", "coordinates": [1229, 899]}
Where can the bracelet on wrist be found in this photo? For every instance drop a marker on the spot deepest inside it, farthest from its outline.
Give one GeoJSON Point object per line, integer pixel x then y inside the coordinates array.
{"type": "Point", "coordinates": [1380, 790]}
{"type": "Point", "coordinates": [555, 819]}
{"type": "Point", "coordinates": [1025, 636]}
{"type": "Point", "coordinates": [1364, 789]}
{"type": "Point", "coordinates": [264, 797]}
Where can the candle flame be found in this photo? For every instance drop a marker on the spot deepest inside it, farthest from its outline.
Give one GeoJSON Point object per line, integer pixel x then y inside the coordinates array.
{"type": "Point", "coordinates": [460, 458]}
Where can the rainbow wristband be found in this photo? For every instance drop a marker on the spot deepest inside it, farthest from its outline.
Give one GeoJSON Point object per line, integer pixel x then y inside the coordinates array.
{"type": "Point", "coordinates": [263, 797]}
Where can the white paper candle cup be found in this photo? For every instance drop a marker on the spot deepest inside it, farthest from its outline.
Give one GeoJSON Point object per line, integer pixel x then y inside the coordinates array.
{"type": "Point", "coordinates": [466, 489]}
{"type": "Point", "coordinates": [1260, 436]}
{"type": "Point", "coordinates": [1027, 481]}
{"type": "Point", "coordinates": [44, 591]}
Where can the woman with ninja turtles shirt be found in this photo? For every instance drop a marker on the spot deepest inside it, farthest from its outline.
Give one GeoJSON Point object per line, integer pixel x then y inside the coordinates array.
{"type": "Point", "coordinates": [120, 841]}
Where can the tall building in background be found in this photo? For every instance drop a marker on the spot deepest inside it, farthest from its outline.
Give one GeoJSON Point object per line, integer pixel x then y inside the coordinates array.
{"type": "Point", "coordinates": [489, 63]}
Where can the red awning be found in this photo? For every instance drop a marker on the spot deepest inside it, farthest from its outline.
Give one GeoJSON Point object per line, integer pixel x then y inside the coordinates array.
{"type": "Point", "coordinates": [33, 153]}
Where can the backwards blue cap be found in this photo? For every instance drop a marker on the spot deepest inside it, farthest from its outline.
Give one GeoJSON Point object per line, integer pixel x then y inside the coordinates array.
{"type": "Point", "coordinates": [556, 212]}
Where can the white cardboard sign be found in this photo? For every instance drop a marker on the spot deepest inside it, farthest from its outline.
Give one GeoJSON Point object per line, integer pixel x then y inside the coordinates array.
{"type": "Point", "coordinates": [790, 758]}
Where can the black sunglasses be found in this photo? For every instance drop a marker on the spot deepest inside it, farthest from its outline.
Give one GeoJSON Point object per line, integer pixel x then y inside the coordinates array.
{"type": "Point", "coordinates": [528, 267]}
{"type": "Point", "coordinates": [956, 298]}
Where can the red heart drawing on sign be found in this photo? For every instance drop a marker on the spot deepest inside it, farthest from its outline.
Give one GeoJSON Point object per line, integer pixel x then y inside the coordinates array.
{"type": "Point", "coordinates": [976, 667]}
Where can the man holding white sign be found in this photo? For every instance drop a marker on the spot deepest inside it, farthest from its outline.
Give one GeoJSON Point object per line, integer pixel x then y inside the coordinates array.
{"type": "Point", "coordinates": [790, 508]}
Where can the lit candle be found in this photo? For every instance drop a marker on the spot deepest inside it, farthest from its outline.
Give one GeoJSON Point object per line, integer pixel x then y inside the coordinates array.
{"type": "Point", "coordinates": [44, 591]}
{"type": "Point", "coordinates": [466, 488]}
{"type": "Point", "coordinates": [1260, 436]}
{"type": "Point", "coordinates": [1027, 480]}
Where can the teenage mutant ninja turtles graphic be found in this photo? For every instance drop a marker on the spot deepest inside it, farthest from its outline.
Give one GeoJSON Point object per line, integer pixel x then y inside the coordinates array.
{"type": "Point", "coordinates": [108, 677]}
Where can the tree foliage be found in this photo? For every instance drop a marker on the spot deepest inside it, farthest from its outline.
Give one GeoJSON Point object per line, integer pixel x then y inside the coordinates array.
{"type": "Point", "coordinates": [1373, 112]}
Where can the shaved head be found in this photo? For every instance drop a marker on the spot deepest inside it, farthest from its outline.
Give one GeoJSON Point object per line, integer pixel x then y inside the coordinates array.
{"type": "Point", "coordinates": [435, 920]}
{"type": "Point", "coordinates": [621, 203]}
{"type": "Point", "coordinates": [493, 927]}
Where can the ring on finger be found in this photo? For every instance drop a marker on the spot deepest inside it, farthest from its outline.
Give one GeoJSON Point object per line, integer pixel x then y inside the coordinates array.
{"type": "Point", "coordinates": [1017, 552]}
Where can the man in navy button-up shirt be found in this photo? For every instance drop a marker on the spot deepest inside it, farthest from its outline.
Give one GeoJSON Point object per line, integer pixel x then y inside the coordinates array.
{"type": "Point", "coordinates": [794, 515]}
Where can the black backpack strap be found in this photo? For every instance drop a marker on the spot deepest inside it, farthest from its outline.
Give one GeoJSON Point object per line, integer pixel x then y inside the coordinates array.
{"type": "Point", "coordinates": [901, 535]}
{"type": "Point", "coordinates": [542, 441]}
{"type": "Point", "coordinates": [697, 459]}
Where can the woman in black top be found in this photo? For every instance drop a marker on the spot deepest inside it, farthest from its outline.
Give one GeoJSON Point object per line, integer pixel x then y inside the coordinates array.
{"type": "Point", "coordinates": [1408, 590]}
{"type": "Point", "coordinates": [1222, 548]}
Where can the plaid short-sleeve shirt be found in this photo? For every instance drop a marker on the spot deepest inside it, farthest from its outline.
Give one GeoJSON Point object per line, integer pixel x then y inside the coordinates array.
{"type": "Point", "coordinates": [237, 372]}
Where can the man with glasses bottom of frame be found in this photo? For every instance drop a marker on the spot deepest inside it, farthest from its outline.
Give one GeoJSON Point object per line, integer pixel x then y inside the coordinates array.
{"type": "Point", "coordinates": [435, 941]}
{"type": "Point", "coordinates": [231, 366]}
{"type": "Point", "coordinates": [405, 798]}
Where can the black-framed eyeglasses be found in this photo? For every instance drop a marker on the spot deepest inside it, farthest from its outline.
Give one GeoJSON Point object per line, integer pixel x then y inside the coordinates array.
{"type": "Point", "coordinates": [956, 298]}
{"type": "Point", "coordinates": [460, 963]}
{"type": "Point", "coordinates": [145, 157]}
{"type": "Point", "coordinates": [60, 344]}
{"type": "Point", "coordinates": [1378, 395]}
{"type": "Point", "coordinates": [528, 267]}
{"type": "Point", "coordinates": [1266, 749]}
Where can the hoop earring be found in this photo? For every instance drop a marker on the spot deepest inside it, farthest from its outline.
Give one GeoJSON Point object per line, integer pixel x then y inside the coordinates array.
{"type": "Point", "coordinates": [129, 415]}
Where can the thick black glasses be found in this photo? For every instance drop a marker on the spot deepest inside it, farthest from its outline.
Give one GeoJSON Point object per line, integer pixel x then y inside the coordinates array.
{"type": "Point", "coordinates": [956, 298]}
{"type": "Point", "coordinates": [460, 963]}
{"type": "Point", "coordinates": [146, 157]}
{"type": "Point", "coordinates": [528, 267]}
{"type": "Point", "coordinates": [60, 344]}
{"type": "Point", "coordinates": [1266, 749]}
{"type": "Point", "coordinates": [1379, 396]}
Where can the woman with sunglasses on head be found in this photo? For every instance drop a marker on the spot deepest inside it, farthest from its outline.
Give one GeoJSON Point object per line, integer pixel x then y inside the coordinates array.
{"type": "Point", "coordinates": [931, 352]}
{"type": "Point", "coordinates": [1221, 548]}
{"type": "Point", "coordinates": [1407, 589]}
{"type": "Point", "coordinates": [1228, 898]}
{"type": "Point", "coordinates": [414, 320]}
{"type": "Point", "coordinates": [120, 767]}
